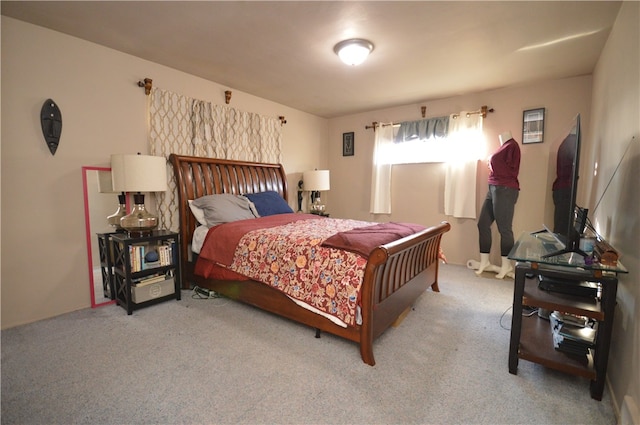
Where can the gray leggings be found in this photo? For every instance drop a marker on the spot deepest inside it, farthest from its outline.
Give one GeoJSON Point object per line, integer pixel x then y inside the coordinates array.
{"type": "Point", "coordinates": [498, 206]}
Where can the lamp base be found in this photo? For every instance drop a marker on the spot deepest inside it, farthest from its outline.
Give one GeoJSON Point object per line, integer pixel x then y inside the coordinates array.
{"type": "Point", "coordinates": [139, 222]}
{"type": "Point", "coordinates": [317, 206]}
{"type": "Point", "coordinates": [114, 219]}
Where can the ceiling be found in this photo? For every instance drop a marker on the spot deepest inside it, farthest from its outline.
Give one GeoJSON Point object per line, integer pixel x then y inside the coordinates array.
{"type": "Point", "coordinates": [283, 51]}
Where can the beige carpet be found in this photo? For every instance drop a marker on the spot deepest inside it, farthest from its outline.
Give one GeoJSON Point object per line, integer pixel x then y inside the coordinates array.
{"type": "Point", "coordinates": [218, 362]}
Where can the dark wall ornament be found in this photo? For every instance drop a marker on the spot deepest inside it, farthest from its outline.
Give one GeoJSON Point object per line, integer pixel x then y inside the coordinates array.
{"type": "Point", "coordinates": [51, 121]}
{"type": "Point", "coordinates": [348, 144]}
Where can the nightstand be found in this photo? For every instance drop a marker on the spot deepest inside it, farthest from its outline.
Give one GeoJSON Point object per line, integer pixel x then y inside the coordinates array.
{"type": "Point", "coordinates": [146, 269]}
{"type": "Point", "coordinates": [105, 250]}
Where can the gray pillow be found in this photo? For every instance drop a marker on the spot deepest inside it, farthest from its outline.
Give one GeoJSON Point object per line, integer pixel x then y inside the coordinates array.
{"type": "Point", "coordinates": [223, 208]}
{"type": "Point", "coordinates": [198, 213]}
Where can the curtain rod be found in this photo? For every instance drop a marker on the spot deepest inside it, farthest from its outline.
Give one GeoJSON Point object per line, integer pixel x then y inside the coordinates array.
{"type": "Point", "coordinates": [376, 124]}
{"type": "Point", "coordinates": [482, 111]}
{"type": "Point", "coordinates": [147, 83]}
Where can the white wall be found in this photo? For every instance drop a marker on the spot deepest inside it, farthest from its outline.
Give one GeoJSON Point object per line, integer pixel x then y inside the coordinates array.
{"type": "Point", "coordinates": [417, 189]}
{"type": "Point", "coordinates": [44, 268]}
{"type": "Point", "coordinates": [616, 151]}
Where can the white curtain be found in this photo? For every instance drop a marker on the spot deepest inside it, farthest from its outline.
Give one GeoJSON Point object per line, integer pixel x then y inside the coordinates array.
{"type": "Point", "coordinates": [381, 174]}
{"type": "Point", "coordinates": [466, 146]}
{"type": "Point", "coordinates": [186, 126]}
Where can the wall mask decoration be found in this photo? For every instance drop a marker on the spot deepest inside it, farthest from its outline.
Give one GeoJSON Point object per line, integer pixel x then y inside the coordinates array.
{"type": "Point", "coordinates": [51, 121]}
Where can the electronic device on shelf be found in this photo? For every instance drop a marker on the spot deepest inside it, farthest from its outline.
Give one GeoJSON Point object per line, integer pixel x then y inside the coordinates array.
{"type": "Point", "coordinates": [569, 220]}
{"type": "Point", "coordinates": [572, 334]}
{"type": "Point", "coordinates": [570, 287]}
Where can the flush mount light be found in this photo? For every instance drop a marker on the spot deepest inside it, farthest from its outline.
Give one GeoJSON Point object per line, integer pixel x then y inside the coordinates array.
{"type": "Point", "coordinates": [353, 51]}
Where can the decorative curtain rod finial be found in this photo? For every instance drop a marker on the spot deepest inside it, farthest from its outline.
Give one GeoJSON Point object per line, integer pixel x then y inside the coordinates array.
{"type": "Point", "coordinates": [484, 111]}
{"type": "Point", "coordinates": [373, 125]}
{"type": "Point", "coordinates": [227, 96]}
{"type": "Point", "coordinates": [147, 83]}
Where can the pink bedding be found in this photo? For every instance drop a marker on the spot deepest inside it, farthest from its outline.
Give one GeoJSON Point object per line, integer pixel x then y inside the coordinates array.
{"type": "Point", "coordinates": [285, 251]}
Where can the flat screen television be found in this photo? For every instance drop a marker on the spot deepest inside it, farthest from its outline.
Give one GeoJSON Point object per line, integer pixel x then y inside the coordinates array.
{"type": "Point", "coordinates": [569, 220]}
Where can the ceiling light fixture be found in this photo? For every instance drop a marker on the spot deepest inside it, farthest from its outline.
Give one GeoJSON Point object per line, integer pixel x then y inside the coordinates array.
{"type": "Point", "coordinates": [353, 51]}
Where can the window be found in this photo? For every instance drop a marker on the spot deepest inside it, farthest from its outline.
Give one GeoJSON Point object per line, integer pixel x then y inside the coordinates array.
{"type": "Point", "coordinates": [443, 139]}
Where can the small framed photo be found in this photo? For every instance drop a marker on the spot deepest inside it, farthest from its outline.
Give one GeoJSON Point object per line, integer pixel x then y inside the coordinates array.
{"type": "Point", "coordinates": [348, 144]}
{"type": "Point", "coordinates": [533, 126]}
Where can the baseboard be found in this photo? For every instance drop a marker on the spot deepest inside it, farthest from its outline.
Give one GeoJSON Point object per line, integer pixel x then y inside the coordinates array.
{"type": "Point", "coordinates": [629, 413]}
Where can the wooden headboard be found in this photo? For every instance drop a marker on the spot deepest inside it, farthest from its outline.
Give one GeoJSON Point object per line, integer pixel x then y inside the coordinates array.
{"type": "Point", "coordinates": [197, 176]}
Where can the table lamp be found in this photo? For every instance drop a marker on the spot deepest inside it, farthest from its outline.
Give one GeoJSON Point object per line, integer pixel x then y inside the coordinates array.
{"type": "Point", "coordinates": [105, 185]}
{"type": "Point", "coordinates": [316, 181]}
{"type": "Point", "coordinates": [139, 173]}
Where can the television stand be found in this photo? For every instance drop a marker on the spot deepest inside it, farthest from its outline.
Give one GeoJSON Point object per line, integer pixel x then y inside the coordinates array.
{"type": "Point", "coordinates": [532, 336]}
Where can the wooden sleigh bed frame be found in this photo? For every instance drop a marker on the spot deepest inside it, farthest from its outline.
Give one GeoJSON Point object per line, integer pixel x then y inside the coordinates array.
{"type": "Point", "coordinates": [396, 273]}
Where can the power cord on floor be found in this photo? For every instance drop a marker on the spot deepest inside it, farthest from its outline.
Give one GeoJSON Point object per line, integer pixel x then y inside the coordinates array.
{"type": "Point", "coordinates": [502, 317]}
{"type": "Point", "coordinates": [526, 312]}
{"type": "Point", "coordinates": [204, 293]}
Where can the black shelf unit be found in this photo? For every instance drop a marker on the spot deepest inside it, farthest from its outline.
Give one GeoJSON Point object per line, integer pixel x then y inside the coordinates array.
{"type": "Point", "coordinates": [105, 250]}
{"type": "Point", "coordinates": [531, 337]}
{"type": "Point", "coordinates": [125, 272]}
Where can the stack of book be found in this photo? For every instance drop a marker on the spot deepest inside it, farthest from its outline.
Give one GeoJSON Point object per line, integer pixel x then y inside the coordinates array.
{"type": "Point", "coordinates": [148, 280]}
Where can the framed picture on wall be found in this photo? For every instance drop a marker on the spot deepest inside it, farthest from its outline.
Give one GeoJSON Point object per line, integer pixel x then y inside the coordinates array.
{"type": "Point", "coordinates": [533, 126]}
{"type": "Point", "coordinates": [348, 148]}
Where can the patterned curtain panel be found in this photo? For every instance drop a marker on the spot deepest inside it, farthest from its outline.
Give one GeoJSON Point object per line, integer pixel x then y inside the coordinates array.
{"type": "Point", "coordinates": [169, 132]}
{"type": "Point", "coordinates": [209, 125]}
{"type": "Point", "coordinates": [186, 126]}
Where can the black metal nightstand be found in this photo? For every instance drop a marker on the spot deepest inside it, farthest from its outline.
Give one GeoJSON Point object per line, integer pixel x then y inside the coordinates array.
{"type": "Point", "coordinates": [146, 269]}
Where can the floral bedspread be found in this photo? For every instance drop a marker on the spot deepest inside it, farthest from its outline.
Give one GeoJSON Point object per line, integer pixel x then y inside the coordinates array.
{"type": "Point", "coordinates": [290, 258]}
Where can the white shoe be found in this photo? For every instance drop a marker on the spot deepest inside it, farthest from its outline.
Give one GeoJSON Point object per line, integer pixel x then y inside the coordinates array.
{"type": "Point", "coordinates": [505, 269]}
{"type": "Point", "coordinates": [484, 263]}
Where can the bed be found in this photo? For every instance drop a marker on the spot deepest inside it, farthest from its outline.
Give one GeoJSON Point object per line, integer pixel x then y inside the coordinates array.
{"type": "Point", "coordinates": [395, 274]}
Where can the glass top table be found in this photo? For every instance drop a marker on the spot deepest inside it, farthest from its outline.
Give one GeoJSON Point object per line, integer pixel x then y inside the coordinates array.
{"type": "Point", "coordinates": [532, 247]}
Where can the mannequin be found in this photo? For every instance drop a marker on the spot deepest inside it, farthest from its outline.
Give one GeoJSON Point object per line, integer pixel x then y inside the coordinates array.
{"type": "Point", "coordinates": [499, 205]}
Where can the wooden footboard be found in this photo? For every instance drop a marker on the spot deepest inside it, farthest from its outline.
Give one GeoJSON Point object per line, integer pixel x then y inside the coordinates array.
{"type": "Point", "coordinates": [395, 276]}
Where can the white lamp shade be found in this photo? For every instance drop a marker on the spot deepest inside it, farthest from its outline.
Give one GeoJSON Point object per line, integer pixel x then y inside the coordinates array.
{"type": "Point", "coordinates": [138, 173]}
{"type": "Point", "coordinates": [105, 183]}
{"type": "Point", "coordinates": [353, 52]}
{"type": "Point", "coordinates": [316, 180]}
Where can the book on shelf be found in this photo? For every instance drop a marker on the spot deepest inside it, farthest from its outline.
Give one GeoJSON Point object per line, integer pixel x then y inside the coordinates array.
{"type": "Point", "coordinates": [148, 280]}
{"type": "Point", "coordinates": [165, 253]}
{"type": "Point", "coordinates": [162, 255]}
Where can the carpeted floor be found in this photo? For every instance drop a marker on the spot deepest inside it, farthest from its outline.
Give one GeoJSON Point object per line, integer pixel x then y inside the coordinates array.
{"type": "Point", "coordinates": [218, 362]}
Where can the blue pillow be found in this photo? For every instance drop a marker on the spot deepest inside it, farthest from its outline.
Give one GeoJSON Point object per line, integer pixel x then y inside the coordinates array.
{"type": "Point", "coordinates": [269, 203]}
